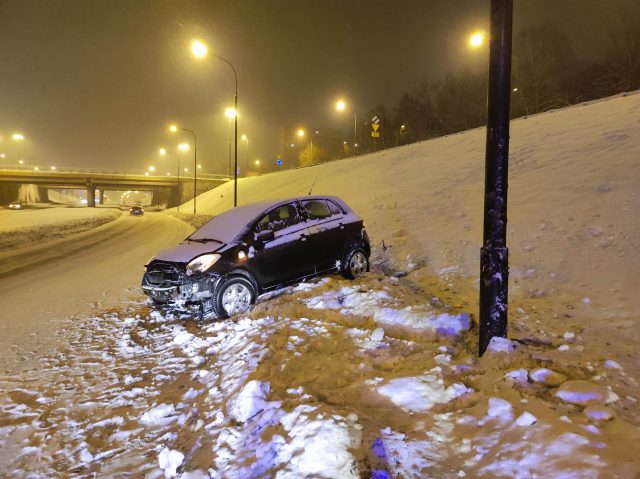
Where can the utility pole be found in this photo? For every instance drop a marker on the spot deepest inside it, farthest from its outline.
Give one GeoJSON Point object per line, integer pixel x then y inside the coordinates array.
{"type": "Point", "coordinates": [494, 256]}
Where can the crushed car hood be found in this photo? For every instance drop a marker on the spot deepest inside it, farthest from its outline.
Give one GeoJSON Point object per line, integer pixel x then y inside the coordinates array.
{"type": "Point", "coordinates": [187, 250]}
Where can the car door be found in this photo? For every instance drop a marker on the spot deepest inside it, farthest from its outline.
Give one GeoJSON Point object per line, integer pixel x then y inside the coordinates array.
{"type": "Point", "coordinates": [327, 232]}
{"type": "Point", "coordinates": [288, 255]}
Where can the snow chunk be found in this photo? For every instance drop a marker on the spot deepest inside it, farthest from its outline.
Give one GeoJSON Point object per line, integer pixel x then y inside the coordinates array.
{"type": "Point", "coordinates": [157, 415]}
{"type": "Point", "coordinates": [517, 376]}
{"type": "Point", "coordinates": [500, 408]}
{"type": "Point", "coordinates": [599, 413]}
{"type": "Point", "coordinates": [547, 377]}
{"type": "Point", "coordinates": [444, 324]}
{"type": "Point", "coordinates": [583, 393]}
{"type": "Point", "coordinates": [501, 345]}
{"type": "Point", "coordinates": [250, 401]}
{"type": "Point", "coordinates": [169, 461]}
{"type": "Point", "coordinates": [421, 393]}
{"type": "Point", "coordinates": [611, 364]}
{"type": "Point", "coordinates": [317, 447]}
{"type": "Point", "coordinates": [526, 419]}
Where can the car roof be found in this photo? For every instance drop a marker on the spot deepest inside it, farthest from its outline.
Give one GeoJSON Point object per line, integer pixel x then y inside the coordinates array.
{"type": "Point", "coordinates": [230, 224]}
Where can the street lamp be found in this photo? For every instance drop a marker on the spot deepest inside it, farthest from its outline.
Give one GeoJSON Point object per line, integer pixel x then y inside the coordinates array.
{"type": "Point", "coordinates": [230, 113]}
{"type": "Point", "coordinates": [257, 163]}
{"type": "Point", "coordinates": [245, 138]}
{"type": "Point", "coordinates": [164, 152]}
{"type": "Point", "coordinates": [301, 133]}
{"type": "Point", "coordinates": [476, 39]}
{"type": "Point", "coordinates": [341, 106]}
{"type": "Point", "coordinates": [173, 129]}
{"type": "Point", "coordinates": [199, 50]}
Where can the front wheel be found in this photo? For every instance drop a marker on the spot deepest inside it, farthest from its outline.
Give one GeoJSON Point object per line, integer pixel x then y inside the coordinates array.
{"type": "Point", "coordinates": [355, 264]}
{"type": "Point", "coordinates": [233, 295]}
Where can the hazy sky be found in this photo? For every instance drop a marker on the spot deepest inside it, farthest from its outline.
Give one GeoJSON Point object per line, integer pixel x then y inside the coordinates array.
{"type": "Point", "coordinates": [94, 83]}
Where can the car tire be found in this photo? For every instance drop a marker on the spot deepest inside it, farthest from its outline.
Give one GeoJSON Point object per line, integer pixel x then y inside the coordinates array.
{"type": "Point", "coordinates": [355, 263]}
{"type": "Point", "coordinates": [233, 295]}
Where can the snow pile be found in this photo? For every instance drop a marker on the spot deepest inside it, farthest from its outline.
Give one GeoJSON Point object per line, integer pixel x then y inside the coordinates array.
{"type": "Point", "coordinates": [419, 394]}
{"type": "Point", "coordinates": [352, 300]}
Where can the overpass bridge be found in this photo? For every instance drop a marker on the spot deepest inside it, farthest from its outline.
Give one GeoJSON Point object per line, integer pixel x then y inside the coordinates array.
{"type": "Point", "coordinates": [97, 181]}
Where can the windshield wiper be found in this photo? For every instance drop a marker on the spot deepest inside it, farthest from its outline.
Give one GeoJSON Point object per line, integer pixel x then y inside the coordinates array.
{"type": "Point", "coordinates": [204, 240]}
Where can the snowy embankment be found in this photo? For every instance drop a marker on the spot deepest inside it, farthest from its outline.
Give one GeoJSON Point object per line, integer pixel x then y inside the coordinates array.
{"type": "Point", "coordinates": [24, 228]}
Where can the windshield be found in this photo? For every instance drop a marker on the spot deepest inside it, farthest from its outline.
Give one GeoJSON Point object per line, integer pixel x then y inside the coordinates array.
{"type": "Point", "coordinates": [229, 225]}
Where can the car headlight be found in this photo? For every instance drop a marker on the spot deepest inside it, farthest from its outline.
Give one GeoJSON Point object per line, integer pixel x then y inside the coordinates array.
{"type": "Point", "coordinates": [202, 263]}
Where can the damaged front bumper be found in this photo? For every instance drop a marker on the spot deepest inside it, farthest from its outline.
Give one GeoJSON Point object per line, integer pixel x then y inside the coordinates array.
{"type": "Point", "coordinates": [167, 283]}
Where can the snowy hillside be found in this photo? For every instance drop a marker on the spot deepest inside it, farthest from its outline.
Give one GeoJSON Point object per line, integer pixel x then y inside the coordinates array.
{"type": "Point", "coordinates": [574, 199]}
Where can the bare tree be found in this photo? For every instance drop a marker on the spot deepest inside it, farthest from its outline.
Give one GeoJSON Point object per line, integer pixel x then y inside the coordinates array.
{"type": "Point", "coordinates": [542, 60]}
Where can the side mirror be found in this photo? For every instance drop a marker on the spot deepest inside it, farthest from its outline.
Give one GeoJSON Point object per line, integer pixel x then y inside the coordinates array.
{"type": "Point", "coordinates": [265, 236]}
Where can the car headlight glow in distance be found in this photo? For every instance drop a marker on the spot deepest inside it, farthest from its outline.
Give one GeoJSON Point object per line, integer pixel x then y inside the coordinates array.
{"type": "Point", "coordinates": [202, 263]}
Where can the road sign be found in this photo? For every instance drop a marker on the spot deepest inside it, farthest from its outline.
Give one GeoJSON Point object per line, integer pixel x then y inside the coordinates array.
{"type": "Point", "coordinates": [375, 126]}
{"type": "Point", "coordinates": [375, 120]}
{"type": "Point", "coordinates": [375, 134]}
{"type": "Point", "coordinates": [279, 162]}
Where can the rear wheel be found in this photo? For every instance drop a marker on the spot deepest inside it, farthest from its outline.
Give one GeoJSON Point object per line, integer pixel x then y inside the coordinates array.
{"type": "Point", "coordinates": [233, 295]}
{"type": "Point", "coordinates": [355, 264]}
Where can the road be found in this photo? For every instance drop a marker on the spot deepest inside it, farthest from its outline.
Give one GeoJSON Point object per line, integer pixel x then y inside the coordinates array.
{"type": "Point", "coordinates": [78, 275]}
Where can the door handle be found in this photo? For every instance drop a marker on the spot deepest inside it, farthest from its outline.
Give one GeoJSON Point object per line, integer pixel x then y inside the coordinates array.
{"type": "Point", "coordinates": [303, 237]}
{"type": "Point", "coordinates": [341, 226]}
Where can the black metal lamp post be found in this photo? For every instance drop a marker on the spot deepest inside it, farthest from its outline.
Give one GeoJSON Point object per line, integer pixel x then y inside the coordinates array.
{"type": "Point", "coordinates": [235, 134]}
{"type": "Point", "coordinates": [494, 257]}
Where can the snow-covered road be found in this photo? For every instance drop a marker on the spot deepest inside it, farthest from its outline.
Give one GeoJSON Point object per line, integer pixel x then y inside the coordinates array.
{"type": "Point", "coordinates": [51, 280]}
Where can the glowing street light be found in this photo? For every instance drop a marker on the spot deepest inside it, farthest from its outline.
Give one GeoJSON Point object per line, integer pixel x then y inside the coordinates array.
{"type": "Point", "coordinates": [301, 133]}
{"type": "Point", "coordinates": [257, 163]}
{"type": "Point", "coordinates": [53, 168]}
{"type": "Point", "coordinates": [183, 146]}
{"type": "Point", "coordinates": [477, 39]}
{"type": "Point", "coordinates": [20, 161]}
{"type": "Point", "coordinates": [230, 113]}
{"type": "Point", "coordinates": [341, 106]}
{"type": "Point", "coordinates": [165, 152]}
{"type": "Point", "coordinates": [199, 50]}
{"type": "Point", "coordinates": [152, 168]}
{"type": "Point", "coordinates": [174, 128]}
{"type": "Point", "coordinates": [17, 136]}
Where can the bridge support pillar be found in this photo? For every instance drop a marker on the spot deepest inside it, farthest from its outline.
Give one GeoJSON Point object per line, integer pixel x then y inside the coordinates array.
{"type": "Point", "coordinates": [101, 196]}
{"type": "Point", "coordinates": [91, 194]}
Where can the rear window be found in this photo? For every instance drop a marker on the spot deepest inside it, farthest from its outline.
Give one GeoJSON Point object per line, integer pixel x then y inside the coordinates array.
{"type": "Point", "coordinates": [316, 209]}
{"type": "Point", "coordinates": [335, 209]}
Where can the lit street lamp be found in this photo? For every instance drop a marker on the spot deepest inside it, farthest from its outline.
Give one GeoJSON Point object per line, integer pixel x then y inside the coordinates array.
{"type": "Point", "coordinates": [477, 39]}
{"type": "Point", "coordinates": [230, 113]}
{"type": "Point", "coordinates": [164, 152]}
{"type": "Point", "coordinates": [257, 163]}
{"type": "Point", "coordinates": [199, 50]}
{"type": "Point", "coordinates": [245, 138]}
{"type": "Point", "coordinates": [301, 133]}
{"type": "Point", "coordinates": [174, 129]}
{"type": "Point", "coordinates": [342, 106]}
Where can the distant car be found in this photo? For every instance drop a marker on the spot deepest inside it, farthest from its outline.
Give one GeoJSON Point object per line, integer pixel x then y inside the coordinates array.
{"type": "Point", "coordinates": [136, 211]}
{"type": "Point", "coordinates": [253, 249]}
{"type": "Point", "coordinates": [16, 205]}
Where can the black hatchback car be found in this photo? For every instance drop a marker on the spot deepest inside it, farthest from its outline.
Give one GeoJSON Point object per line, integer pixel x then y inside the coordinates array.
{"type": "Point", "coordinates": [252, 249]}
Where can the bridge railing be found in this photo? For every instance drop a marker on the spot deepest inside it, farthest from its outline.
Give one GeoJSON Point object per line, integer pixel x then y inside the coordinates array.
{"type": "Point", "coordinates": [103, 171]}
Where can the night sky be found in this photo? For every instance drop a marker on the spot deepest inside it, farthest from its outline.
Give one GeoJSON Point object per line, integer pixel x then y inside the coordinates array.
{"type": "Point", "coordinates": [95, 83]}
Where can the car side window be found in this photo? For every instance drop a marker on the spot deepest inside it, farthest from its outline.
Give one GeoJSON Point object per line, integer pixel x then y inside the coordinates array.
{"type": "Point", "coordinates": [316, 209]}
{"type": "Point", "coordinates": [280, 218]}
{"type": "Point", "coordinates": [335, 209]}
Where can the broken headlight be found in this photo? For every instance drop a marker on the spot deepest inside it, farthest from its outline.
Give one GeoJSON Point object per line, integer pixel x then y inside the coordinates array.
{"type": "Point", "coordinates": [202, 263]}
